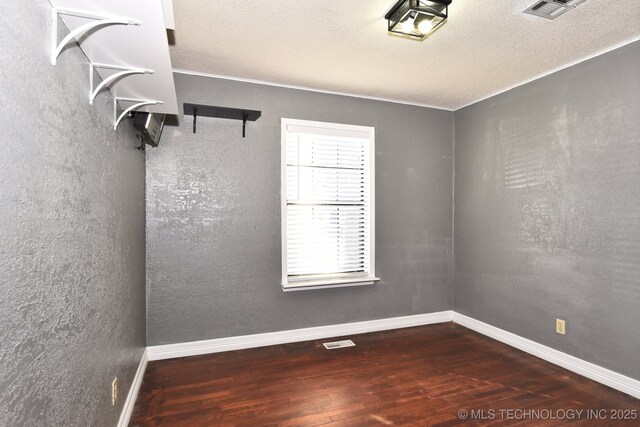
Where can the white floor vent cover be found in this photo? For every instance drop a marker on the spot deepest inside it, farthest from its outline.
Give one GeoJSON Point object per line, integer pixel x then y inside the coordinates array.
{"type": "Point", "coordinates": [338, 344]}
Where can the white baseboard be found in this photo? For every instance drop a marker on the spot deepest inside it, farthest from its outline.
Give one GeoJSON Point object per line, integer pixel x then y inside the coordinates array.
{"type": "Point", "coordinates": [127, 409]}
{"type": "Point", "coordinates": [587, 369]}
{"type": "Point", "coordinates": [597, 373]}
{"type": "Point", "coordinates": [169, 351]}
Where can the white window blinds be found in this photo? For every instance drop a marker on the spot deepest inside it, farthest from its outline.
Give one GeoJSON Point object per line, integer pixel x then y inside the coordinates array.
{"type": "Point", "coordinates": [328, 207]}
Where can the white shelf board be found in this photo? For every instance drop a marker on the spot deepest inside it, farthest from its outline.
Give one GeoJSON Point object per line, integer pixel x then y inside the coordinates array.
{"type": "Point", "coordinates": [144, 46]}
{"type": "Point", "coordinates": [169, 20]}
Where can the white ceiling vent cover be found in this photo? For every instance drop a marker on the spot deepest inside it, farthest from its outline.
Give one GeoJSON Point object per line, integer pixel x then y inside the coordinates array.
{"type": "Point", "coordinates": [551, 9]}
{"type": "Point", "coordinates": [338, 344]}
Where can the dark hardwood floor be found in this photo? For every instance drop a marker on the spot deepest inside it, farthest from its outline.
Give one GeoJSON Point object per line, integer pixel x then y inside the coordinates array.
{"type": "Point", "coordinates": [407, 377]}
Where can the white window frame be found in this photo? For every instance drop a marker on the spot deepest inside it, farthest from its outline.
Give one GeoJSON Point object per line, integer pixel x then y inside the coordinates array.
{"type": "Point", "coordinates": [337, 282]}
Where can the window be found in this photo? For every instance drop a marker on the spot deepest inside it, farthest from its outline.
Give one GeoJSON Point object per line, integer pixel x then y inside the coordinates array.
{"type": "Point", "coordinates": [327, 205]}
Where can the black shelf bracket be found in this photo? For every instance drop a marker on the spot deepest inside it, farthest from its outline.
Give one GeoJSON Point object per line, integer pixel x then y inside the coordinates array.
{"type": "Point", "coordinates": [244, 123]}
{"type": "Point", "coordinates": [195, 117]}
{"type": "Point", "coordinates": [221, 113]}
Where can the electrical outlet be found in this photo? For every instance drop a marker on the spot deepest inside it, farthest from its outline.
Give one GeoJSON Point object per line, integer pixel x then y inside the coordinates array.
{"type": "Point", "coordinates": [114, 391]}
{"type": "Point", "coordinates": [561, 328]}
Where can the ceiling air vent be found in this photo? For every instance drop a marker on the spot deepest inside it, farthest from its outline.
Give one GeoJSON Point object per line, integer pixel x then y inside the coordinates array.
{"type": "Point", "coordinates": [551, 9]}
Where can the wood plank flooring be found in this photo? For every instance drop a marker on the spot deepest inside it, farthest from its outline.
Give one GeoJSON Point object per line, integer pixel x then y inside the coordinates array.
{"type": "Point", "coordinates": [408, 377]}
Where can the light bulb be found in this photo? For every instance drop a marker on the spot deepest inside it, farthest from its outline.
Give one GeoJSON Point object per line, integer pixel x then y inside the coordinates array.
{"type": "Point", "coordinates": [425, 26]}
{"type": "Point", "coordinates": [407, 26]}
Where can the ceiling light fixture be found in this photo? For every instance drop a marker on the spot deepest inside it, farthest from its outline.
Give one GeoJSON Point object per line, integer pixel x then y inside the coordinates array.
{"type": "Point", "coordinates": [417, 18]}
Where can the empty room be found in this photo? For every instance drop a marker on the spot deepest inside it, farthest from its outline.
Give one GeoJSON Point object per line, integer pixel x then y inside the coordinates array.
{"type": "Point", "coordinates": [320, 213]}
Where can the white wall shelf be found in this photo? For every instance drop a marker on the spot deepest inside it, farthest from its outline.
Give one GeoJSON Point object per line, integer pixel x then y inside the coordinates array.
{"type": "Point", "coordinates": [127, 46]}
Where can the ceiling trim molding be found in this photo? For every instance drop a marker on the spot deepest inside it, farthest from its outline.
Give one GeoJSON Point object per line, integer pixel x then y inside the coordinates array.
{"type": "Point", "coordinates": [308, 89]}
{"type": "Point", "coordinates": [396, 101]}
{"type": "Point", "coordinates": [552, 71]}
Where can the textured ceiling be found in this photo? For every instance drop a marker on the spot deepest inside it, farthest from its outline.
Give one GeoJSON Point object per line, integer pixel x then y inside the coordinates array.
{"type": "Point", "coordinates": [343, 45]}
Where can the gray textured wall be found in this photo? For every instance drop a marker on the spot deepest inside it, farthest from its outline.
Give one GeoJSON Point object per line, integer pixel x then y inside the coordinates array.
{"type": "Point", "coordinates": [547, 210]}
{"type": "Point", "coordinates": [213, 216]}
{"type": "Point", "coordinates": [71, 236]}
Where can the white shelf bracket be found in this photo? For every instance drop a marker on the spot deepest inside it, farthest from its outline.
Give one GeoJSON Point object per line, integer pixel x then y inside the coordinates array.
{"type": "Point", "coordinates": [137, 103]}
{"type": "Point", "coordinates": [96, 21]}
{"type": "Point", "coordinates": [123, 71]}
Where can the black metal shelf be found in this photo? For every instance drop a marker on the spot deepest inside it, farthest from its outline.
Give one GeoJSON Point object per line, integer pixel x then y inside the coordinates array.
{"type": "Point", "coordinates": [221, 113]}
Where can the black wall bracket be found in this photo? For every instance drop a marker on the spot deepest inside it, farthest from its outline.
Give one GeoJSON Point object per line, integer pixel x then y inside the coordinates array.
{"type": "Point", "coordinates": [221, 113]}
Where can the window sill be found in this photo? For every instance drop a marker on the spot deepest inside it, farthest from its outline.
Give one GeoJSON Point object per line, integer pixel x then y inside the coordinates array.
{"type": "Point", "coordinates": [328, 284]}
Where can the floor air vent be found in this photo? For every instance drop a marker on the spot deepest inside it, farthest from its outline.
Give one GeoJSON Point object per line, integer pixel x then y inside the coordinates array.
{"type": "Point", "coordinates": [338, 344]}
{"type": "Point", "coordinates": [551, 9]}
